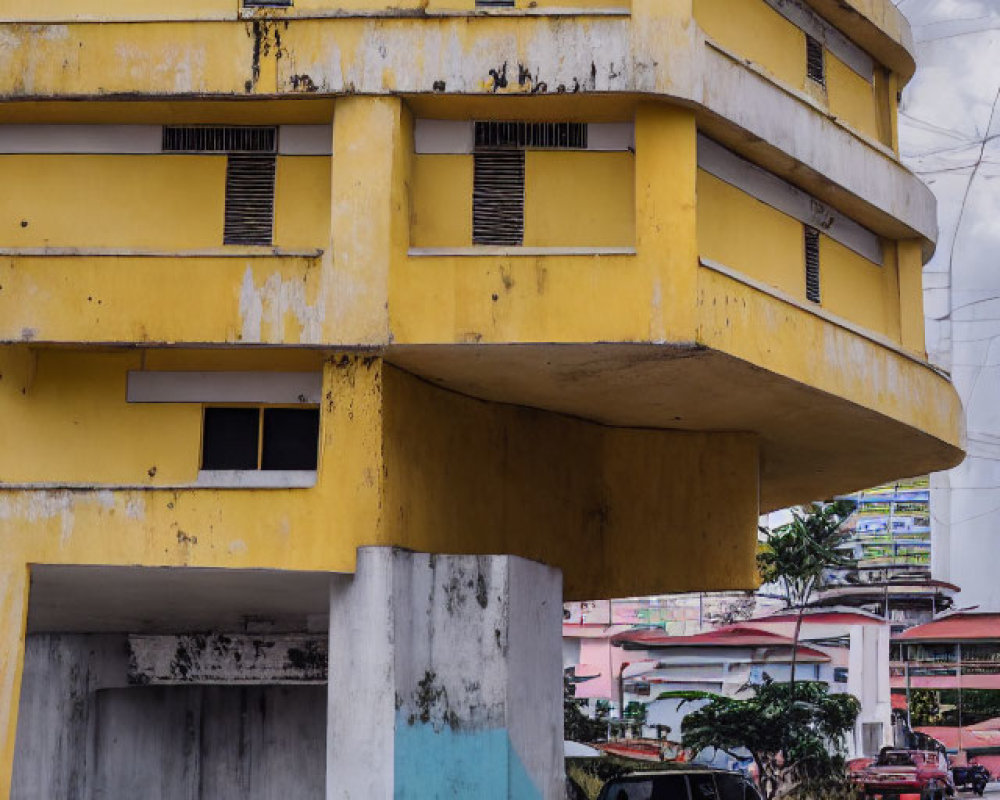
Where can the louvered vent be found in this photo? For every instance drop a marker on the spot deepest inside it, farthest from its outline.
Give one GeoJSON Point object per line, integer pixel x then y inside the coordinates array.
{"type": "Point", "coordinates": [498, 198]}
{"type": "Point", "coordinates": [219, 139]}
{"type": "Point", "coordinates": [570, 135]}
{"type": "Point", "coordinates": [249, 200]}
{"type": "Point", "coordinates": [812, 264]}
{"type": "Point", "coordinates": [815, 67]}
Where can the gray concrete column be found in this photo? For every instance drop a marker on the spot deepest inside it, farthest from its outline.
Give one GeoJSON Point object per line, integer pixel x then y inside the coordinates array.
{"type": "Point", "coordinates": [445, 678]}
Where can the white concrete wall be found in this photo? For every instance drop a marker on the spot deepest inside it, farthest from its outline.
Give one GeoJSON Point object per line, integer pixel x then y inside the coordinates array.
{"type": "Point", "coordinates": [86, 733]}
{"type": "Point", "coordinates": [445, 678]}
{"type": "Point", "coordinates": [948, 135]}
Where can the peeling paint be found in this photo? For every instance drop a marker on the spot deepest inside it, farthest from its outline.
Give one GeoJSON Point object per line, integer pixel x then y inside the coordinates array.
{"type": "Point", "coordinates": [263, 309]}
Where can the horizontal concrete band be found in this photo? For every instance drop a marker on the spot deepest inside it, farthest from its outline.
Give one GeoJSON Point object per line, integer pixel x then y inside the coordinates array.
{"type": "Point", "coordinates": [607, 55]}
{"type": "Point", "coordinates": [293, 140]}
{"type": "Point", "coordinates": [284, 388]}
{"type": "Point", "coordinates": [811, 23]}
{"type": "Point", "coordinates": [781, 195]}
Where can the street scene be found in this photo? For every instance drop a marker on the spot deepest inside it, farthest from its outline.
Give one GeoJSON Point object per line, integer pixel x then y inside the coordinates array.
{"type": "Point", "coordinates": [499, 399]}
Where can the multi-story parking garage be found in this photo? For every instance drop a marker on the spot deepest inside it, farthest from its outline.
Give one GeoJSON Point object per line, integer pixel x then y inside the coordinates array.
{"type": "Point", "coordinates": [588, 283]}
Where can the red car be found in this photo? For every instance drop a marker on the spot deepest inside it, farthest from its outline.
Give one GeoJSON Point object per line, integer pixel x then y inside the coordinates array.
{"type": "Point", "coordinates": [907, 772]}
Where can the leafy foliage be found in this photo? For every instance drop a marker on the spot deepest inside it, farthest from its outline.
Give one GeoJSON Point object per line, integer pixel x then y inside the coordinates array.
{"type": "Point", "coordinates": [795, 556]}
{"type": "Point", "coordinates": [577, 726]}
{"type": "Point", "coordinates": [797, 742]}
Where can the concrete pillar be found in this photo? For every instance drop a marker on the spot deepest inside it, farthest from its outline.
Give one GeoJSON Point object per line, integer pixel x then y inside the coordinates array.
{"type": "Point", "coordinates": [445, 678]}
{"type": "Point", "coordinates": [13, 618]}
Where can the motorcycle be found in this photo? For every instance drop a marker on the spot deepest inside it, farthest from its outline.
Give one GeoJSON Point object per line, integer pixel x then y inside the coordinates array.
{"type": "Point", "coordinates": [972, 777]}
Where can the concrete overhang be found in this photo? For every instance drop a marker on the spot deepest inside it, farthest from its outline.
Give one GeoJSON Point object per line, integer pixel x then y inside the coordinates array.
{"type": "Point", "coordinates": [564, 60]}
{"type": "Point", "coordinates": [106, 599]}
{"type": "Point", "coordinates": [878, 26]}
{"type": "Point", "coordinates": [814, 444]}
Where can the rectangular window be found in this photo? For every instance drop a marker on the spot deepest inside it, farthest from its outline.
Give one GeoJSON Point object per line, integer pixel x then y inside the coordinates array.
{"type": "Point", "coordinates": [815, 64]}
{"type": "Point", "coordinates": [240, 438]}
{"type": "Point", "coordinates": [812, 264]}
{"type": "Point", "coordinates": [249, 200]}
{"type": "Point", "coordinates": [498, 197]}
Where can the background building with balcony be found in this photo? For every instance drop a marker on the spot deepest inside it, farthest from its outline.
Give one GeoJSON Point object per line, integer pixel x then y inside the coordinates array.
{"type": "Point", "coordinates": [309, 310]}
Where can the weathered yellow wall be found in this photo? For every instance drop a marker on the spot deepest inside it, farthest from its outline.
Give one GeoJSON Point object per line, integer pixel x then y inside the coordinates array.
{"type": "Point", "coordinates": [651, 510]}
{"type": "Point", "coordinates": [215, 9]}
{"type": "Point", "coordinates": [745, 323]}
{"type": "Point", "coordinates": [911, 297]}
{"type": "Point", "coordinates": [579, 298]}
{"type": "Point", "coordinates": [740, 232]}
{"type": "Point", "coordinates": [198, 299]}
{"type": "Point", "coordinates": [571, 199]}
{"type": "Point", "coordinates": [314, 529]}
{"type": "Point", "coordinates": [755, 31]}
{"type": "Point", "coordinates": [67, 420]}
{"type": "Point", "coordinates": [853, 99]}
{"type": "Point", "coordinates": [858, 290]}
{"type": "Point", "coordinates": [129, 201]}
{"type": "Point", "coordinates": [441, 205]}
{"type": "Point", "coordinates": [579, 199]}
{"type": "Point", "coordinates": [154, 202]}
{"type": "Point", "coordinates": [302, 202]}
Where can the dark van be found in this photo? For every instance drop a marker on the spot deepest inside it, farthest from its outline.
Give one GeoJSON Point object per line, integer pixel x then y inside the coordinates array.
{"type": "Point", "coordinates": [688, 784]}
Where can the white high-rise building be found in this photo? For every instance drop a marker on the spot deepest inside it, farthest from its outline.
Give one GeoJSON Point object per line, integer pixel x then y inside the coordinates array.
{"type": "Point", "coordinates": [949, 129]}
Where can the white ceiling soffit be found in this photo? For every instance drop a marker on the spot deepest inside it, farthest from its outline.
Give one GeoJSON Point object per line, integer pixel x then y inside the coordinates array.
{"type": "Point", "coordinates": [293, 140]}
{"type": "Point", "coordinates": [225, 387]}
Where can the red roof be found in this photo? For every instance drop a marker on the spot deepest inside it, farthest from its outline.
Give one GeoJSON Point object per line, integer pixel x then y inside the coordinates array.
{"type": "Point", "coordinates": [971, 738]}
{"type": "Point", "coordinates": [730, 636]}
{"type": "Point", "coordinates": [827, 618]}
{"type": "Point", "coordinates": [954, 628]}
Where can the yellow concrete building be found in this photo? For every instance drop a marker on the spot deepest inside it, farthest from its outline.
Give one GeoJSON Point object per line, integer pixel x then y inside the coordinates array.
{"type": "Point", "coordinates": [588, 282]}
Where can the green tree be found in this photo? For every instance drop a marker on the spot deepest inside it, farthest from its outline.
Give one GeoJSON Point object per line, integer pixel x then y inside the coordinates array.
{"type": "Point", "coordinates": [796, 557]}
{"type": "Point", "coordinates": [925, 707]}
{"type": "Point", "coordinates": [577, 726]}
{"type": "Point", "coordinates": [797, 743]}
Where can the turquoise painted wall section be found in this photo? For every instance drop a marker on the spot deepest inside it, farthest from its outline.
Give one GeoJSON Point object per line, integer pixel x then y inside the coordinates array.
{"type": "Point", "coordinates": [438, 762]}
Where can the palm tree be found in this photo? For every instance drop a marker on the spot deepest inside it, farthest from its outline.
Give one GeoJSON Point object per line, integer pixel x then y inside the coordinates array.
{"type": "Point", "coordinates": [798, 555]}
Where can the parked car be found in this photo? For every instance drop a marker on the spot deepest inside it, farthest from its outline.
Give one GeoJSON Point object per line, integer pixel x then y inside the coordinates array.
{"type": "Point", "coordinates": [971, 777]}
{"type": "Point", "coordinates": [900, 772]}
{"type": "Point", "coordinates": [681, 784]}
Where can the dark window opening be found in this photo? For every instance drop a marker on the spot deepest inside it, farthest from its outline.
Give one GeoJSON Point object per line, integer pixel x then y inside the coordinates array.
{"type": "Point", "coordinates": [249, 200]}
{"type": "Point", "coordinates": [539, 135]}
{"type": "Point", "coordinates": [494, 3]}
{"type": "Point", "coordinates": [220, 139]}
{"type": "Point", "coordinates": [815, 66]}
{"type": "Point", "coordinates": [231, 439]}
{"type": "Point", "coordinates": [812, 264]}
{"type": "Point", "coordinates": [498, 197]}
{"type": "Point", "coordinates": [290, 437]}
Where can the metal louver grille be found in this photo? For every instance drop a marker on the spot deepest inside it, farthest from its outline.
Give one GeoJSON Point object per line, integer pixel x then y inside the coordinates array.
{"type": "Point", "coordinates": [220, 139]}
{"type": "Point", "coordinates": [571, 135]}
{"type": "Point", "coordinates": [249, 200]}
{"type": "Point", "coordinates": [815, 67]}
{"type": "Point", "coordinates": [498, 198]}
{"type": "Point", "coordinates": [812, 264]}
